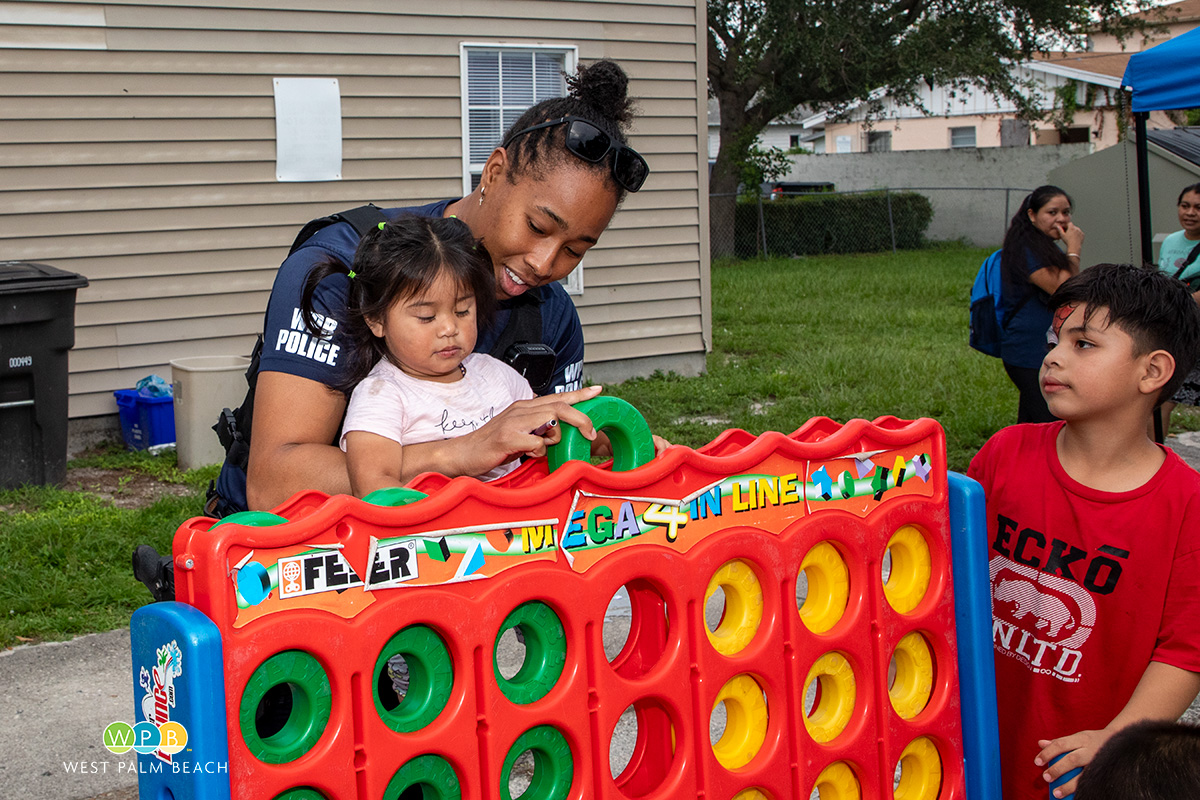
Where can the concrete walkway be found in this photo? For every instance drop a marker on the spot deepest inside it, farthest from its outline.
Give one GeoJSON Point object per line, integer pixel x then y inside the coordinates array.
{"type": "Point", "coordinates": [57, 698]}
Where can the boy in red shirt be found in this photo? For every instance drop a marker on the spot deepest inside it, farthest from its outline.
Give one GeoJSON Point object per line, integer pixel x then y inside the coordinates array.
{"type": "Point", "coordinates": [1095, 533]}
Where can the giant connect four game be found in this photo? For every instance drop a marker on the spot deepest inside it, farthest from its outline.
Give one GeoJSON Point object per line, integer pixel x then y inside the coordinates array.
{"type": "Point", "coordinates": [345, 649]}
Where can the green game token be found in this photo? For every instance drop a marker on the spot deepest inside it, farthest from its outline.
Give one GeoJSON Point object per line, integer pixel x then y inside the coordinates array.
{"type": "Point", "coordinates": [394, 496]}
{"type": "Point", "coordinates": [311, 703]}
{"type": "Point", "coordinates": [430, 678]}
{"type": "Point", "coordinates": [300, 793]}
{"type": "Point", "coordinates": [632, 443]}
{"type": "Point", "coordinates": [553, 768]}
{"type": "Point", "coordinates": [433, 774]}
{"type": "Point", "coordinates": [545, 653]}
{"type": "Point", "coordinates": [255, 519]}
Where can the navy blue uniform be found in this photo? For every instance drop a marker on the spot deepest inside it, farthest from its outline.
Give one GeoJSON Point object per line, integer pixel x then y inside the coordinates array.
{"type": "Point", "coordinates": [288, 346]}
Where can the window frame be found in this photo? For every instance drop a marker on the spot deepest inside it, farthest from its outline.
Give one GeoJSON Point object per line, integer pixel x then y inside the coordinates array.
{"type": "Point", "coordinates": [570, 54]}
{"type": "Point", "coordinates": [974, 136]}
{"type": "Point", "coordinates": [573, 283]}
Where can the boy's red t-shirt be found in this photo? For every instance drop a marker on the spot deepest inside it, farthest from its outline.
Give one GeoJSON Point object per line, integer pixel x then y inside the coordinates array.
{"type": "Point", "coordinates": [1088, 587]}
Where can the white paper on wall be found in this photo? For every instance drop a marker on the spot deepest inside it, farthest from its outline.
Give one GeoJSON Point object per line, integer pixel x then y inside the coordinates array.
{"type": "Point", "coordinates": [308, 129]}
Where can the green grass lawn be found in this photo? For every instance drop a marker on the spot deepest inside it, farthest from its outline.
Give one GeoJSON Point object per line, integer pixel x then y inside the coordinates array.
{"type": "Point", "coordinates": [66, 554]}
{"type": "Point", "coordinates": [837, 336]}
{"type": "Point", "coordinates": [842, 337]}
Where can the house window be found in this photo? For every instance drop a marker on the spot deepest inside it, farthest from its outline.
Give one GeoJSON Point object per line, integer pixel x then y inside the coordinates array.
{"type": "Point", "coordinates": [1076, 135]}
{"type": "Point", "coordinates": [794, 140]}
{"type": "Point", "coordinates": [499, 83]}
{"type": "Point", "coordinates": [879, 141]}
{"type": "Point", "coordinates": [962, 137]}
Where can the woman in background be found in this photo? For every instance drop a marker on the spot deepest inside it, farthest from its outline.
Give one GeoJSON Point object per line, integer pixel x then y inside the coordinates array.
{"type": "Point", "coordinates": [1033, 266]}
{"type": "Point", "coordinates": [1178, 257]}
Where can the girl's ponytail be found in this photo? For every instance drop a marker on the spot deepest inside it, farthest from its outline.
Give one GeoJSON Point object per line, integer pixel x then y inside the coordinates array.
{"type": "Point", "coordinates": [324, 269]}
{"type": "Point", "coordinates": [360, 348]}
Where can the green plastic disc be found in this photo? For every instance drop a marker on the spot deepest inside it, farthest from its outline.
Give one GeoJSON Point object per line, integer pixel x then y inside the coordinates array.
{"type": "Point", "coordinates": [255, 519]}
{"type": "Point", "coordinates": [545, 653]}
{"type": "Point", "coordinates": [309, 713]}
{"type": "Point", "coordinates": [553, 768]}
{"type": "Point", "coordinates": [430, 678]}
{"type": "Point", "coordinates": [432, 773]}
{"type": "Point", "coordinates": [394, 496]}
{"type": "Point", "coordinates": [626, 428]}
{"type": "Point", "coordinates": [301, 793]}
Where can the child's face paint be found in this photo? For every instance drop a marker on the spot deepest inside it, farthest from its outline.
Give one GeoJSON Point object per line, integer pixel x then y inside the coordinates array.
{"type": "Point", "coordinates": [1060, 316]}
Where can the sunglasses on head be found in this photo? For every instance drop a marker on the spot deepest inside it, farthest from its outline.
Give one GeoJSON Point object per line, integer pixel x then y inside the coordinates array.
{"type": "Point", "coordinates": [592, 144]}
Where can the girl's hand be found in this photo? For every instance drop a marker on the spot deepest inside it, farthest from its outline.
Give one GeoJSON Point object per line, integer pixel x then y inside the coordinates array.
{"type": "Point", "coordinates": [1072, 237]}
{"type": "Point", "coordinates": [602, 445]}
{"type": "Point", "coordinates": [524, 429]}
{"type": "Point", "coordinates": [1080, 749]}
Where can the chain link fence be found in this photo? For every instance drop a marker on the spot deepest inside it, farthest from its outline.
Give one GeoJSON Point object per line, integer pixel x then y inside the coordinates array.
{"type": "Point", "coordinates": [818, 223]}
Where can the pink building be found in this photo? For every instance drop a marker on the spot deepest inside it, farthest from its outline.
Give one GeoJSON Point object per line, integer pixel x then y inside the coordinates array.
{"type": "Point", "coordinates": [1080, 90]}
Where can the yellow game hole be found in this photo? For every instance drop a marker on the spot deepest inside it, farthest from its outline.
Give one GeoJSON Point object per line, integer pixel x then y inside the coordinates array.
{"type": "Point", "coordinates": [746, 719]}
{"type": "Point", "coordinates": [733, 626]}
{"type": "Point", "coordinates": [824, 581]}
{"type": "Point", "coordinates": [913, 683]}
{"type": "Point", "coordinates": [907, 578]}
{"type": "Point", "coordinates": [831, 682]}
{"type": "Point", "coordinates": [920, 771]}
{"type": "Point", "coordinates": [753, 793]}
{"type": "Point", "coordinates": [836, 782]}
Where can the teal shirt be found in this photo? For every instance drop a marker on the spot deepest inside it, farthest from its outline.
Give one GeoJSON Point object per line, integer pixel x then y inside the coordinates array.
{"type": "Point", "coordinates": [1174, 250]}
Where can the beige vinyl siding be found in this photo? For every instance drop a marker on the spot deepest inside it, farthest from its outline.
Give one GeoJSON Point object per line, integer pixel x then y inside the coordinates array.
{"type": "Point", "coordinates": [137, 148]}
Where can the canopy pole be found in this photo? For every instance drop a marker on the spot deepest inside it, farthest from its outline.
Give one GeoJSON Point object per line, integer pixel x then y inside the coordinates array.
{"type": "Point", "coordinates": [1143, 175]}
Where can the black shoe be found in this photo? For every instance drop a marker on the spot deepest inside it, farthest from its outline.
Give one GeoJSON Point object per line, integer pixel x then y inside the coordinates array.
{"type": "Point", "coordinates": [155, 571]}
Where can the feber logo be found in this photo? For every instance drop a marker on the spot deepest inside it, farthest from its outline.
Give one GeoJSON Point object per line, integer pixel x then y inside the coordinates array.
{"type": "Point", "coordinates": [145, 737]}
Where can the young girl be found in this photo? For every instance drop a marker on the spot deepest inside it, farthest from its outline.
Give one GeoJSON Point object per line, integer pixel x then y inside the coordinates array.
{"type": "Point", "coordinates": [419, 288]}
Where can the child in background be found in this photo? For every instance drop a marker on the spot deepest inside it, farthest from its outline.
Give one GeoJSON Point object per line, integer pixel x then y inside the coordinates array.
{"type": "Point", "coordinates": [1095, 533]}
{"type": "Point", "coordinates": [418, 289]}
{"type": "Point", "coordinates": [1146, 761]}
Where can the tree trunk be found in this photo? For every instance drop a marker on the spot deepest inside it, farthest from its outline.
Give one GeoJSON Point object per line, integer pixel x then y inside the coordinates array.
{"type": "Point", "coordinates": [722, 201]}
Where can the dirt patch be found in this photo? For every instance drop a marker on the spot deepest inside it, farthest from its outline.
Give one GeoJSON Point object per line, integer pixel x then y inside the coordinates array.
{"type": "Point", "coordinates": [124, 488]}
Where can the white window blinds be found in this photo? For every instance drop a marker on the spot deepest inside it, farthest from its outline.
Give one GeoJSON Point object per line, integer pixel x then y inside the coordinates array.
{"type": "Point", "coordinates": [501, 84]}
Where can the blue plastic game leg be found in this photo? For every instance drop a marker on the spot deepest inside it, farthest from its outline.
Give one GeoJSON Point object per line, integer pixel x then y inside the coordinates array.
{"type": "Point", "coordinates": [973, 618]}
{"type": "Point", "coordinates": [179, 729]}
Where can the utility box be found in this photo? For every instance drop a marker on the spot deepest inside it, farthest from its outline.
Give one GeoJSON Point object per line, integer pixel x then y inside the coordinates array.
{"type": "Point", "coordinates": [37, 328]}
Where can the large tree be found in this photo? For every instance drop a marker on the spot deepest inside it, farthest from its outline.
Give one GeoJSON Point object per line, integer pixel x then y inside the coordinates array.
{"type": "Point", "coordinates": [766, 57]}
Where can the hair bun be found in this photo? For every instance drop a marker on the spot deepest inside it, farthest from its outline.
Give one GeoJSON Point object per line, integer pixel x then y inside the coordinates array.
{"type": "Point", "coordinates": [604, 86]}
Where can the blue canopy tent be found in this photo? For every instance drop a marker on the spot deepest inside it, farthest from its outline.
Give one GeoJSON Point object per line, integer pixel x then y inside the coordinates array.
{"type": "Point", "coordinates": [1163, 78]}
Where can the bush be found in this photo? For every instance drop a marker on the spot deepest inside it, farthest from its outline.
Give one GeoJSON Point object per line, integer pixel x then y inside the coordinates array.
{"type": "Point", "coordinates": [848, 223]}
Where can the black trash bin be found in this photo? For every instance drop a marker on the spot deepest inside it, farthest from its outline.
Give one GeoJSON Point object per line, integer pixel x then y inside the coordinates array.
{"type": "Point", "coordinates": [37, 328]}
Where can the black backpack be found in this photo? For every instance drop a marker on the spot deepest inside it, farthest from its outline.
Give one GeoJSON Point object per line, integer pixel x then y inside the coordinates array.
{"type": "Point", "coordinates": [519, 344]}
